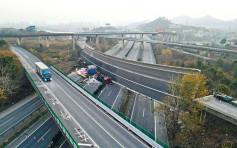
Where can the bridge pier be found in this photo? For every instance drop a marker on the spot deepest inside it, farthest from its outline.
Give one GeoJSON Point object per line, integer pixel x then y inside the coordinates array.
{"type": "Point", "coordinates": [202, 117]}
{"type": "Point", "coordinates": [97, 41]}
{"type": "Point", "coordinates": [19, 41]}
{"type": "Point", "coordinates": [154, 36]}
{"type": "Point", "coordinates": [47, 41]}
{"type": "Point", "coordinates": [122, 40]}
{"type": "Point", "coordinates": [73, 43]}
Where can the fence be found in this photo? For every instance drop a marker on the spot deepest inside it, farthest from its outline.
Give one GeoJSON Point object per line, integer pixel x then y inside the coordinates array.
{"type": "Point", "coordinates": [65, 131]}
{"type": "Point", "coordinates": [117, 115]}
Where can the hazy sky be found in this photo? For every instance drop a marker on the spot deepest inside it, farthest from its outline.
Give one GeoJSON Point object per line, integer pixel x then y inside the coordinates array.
{"type": "Point", "coordinates": [112, 11]}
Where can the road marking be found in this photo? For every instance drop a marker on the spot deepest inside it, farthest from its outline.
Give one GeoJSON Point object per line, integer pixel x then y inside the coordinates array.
{"type": "Point", "coordinates": [133, 107]}
{"type": "Point", "coordinates": [89, 115]}
{"type": "Point", "coordinates": [6, 121]}
{"type": "Point", "coordinates": [49, 90]}
{"type": "Point", "coordinates": [131, 80]}
{"type": "Point", "coordinates": [109, 93]}
{"type": "Point", "coordinates": [44, 135]}
{"type": "Point", "coordinates": [116, 97]}
{"type": "Point", "coordinates": [155, 124]}
{"type": "Point", "coordinates": [143, 112]}
{"type": "Point", "coordinates": [33, 132]}
{"type": "Point", "coordinates": [62, 144]}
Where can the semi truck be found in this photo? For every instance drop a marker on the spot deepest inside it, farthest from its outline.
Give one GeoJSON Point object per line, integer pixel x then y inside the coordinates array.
{"type": "Point", "coordinates": [43, 71]}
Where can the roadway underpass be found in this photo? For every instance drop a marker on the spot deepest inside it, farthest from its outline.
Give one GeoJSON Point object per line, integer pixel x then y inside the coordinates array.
{"type": "Point", "coordinates": [75, 110]}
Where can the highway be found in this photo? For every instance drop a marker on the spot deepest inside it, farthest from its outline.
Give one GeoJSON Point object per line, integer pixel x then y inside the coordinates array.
{"type": "Point", "coordinates": [110, 93]}
{"type": "Point", "coordinates": [98, 127]}
{"type": "Point", "coordinates": [135, 51]}
{"type": "Point", "coordinates": [17, 115]}
{"type": "Point", "coordinates": [43, 135]}
{"type": "Point", "coordinates": [152, 82]}
{"type": "Point", "coordinates": [122, 53]}
{"type": "Point", "coordinates": [148, 54]}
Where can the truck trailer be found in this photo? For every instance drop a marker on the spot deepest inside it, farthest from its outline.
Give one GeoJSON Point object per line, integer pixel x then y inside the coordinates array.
{"type": "Point", "coordinates": [43, 71]}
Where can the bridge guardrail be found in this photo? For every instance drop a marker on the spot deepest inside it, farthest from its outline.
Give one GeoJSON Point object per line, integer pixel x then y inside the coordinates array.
{"type": "Point", "coordinates": [147, 64]}
{"type": "Point", "coordinates": [68, 135]}
{"type": "Point", "coordinates": [139, 131]}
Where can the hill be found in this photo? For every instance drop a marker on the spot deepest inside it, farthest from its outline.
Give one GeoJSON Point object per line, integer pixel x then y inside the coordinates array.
{"type": "Point", "coordinates": [206, 21]}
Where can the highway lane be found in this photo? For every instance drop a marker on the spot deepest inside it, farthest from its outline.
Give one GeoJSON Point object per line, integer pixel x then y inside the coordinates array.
{"type": "Point", "coordinates": [148, 54]}
{"type": "Point", "coordinates": [154, 88]}
{"type": "Point", "coordinates": [135, 51]}
{"type": "Point", "coordinates": [146, 70]}
{"type": "Point", "coordinates": [104, 131]}
{"type": "Point", "coordinates": [19, 114]}
{"type": "Point", "coordinates": [43, 136]}
{"type": "Point", "coordinates": [142, 113]}
{"type": "Point", "coordinates": [109, 94]}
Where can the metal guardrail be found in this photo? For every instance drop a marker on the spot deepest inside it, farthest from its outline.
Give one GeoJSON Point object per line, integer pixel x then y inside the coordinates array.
{"type": "Point", "coordinates": [65, 131]}
{"type": "Point", "coordinates": [147, 64]}
{"type": "Point", "coordinates": [142, 133]}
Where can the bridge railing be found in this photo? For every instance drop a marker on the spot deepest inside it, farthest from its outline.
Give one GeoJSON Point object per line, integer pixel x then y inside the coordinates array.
{"type": "Point", "coordinates": [139, 131]}
{"type": "Point", "coordinates": [65, 131]}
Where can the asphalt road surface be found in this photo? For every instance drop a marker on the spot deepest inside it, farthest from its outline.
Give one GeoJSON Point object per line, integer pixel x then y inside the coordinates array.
{"type": "Point", "coordinates": [109, 94]}
{"type": "Point", "coordinates": [130, 75]}
{"type": "Point", "coordinates": [103, 130]}
{"type": "Point", "coordinates": [135, 51]}
{"type": "Point", "coordinates": [19, 114]}
{"type": "Point", "coordinates": [42, 137]}
{"type": "Point", "coordinates": [148, 54]}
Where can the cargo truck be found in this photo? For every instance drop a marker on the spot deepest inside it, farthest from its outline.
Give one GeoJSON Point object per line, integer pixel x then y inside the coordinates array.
{"type": "Point", "coordinates": [43, 71]}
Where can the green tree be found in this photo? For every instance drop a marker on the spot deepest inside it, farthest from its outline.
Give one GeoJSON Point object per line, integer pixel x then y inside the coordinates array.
{"type": "Point", "coordinates": [182, 112]}
{"type": "Point", "coordinates": [223, 41]}
{"type": "Point", "coordinates": [219, 63]}
{"type": "Point", "coordinates": [233, 87]}
{"type": "Point", "coordinates": [222, 88]}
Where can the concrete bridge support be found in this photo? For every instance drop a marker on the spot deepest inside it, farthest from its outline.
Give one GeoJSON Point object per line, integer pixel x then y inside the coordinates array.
{"type": "Point", "coordinates": [97, 40]}
{"type": "Point", "coordinates": [202, 117]}
{"type": "Point", "coordinates": [122, 40]}
{"type": "Point", "coordinates": [73, 43]}
{"type": "Point", "coordinates": [154, 36]}
{"type": "Point", "coordinates": [47, 41]}
{"type": "Point", "coordinates": [19, 41]}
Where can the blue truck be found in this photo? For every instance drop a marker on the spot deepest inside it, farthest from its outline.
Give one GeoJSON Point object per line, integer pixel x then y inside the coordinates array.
{"type": "Point", "coordinates": [43, 71]}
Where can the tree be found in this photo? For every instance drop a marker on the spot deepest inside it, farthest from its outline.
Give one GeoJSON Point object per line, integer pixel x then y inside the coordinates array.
{"type": "Point", "coordinates": [167, 53]}
{"type": "Point", "coordinates": [182, 111]}
{"type": "Point", "coordinates": [222, 88]}
{"type": "Point", "coordinates": [223, 41]}
{"type": "Point", "coordinates": [2, 96]}
{"type": "Point", "coordinates": [219, 63]}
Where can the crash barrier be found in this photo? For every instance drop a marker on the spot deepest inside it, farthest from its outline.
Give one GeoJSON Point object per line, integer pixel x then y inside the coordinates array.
{"type": "Point", "coordinates": [63, 128]}
{"type": "Point", "coordinates": [139, 131]}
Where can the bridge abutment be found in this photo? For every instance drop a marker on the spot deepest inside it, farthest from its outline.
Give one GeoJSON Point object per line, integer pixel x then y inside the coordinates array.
{"type": "Point", "coordinates": [97, 40]}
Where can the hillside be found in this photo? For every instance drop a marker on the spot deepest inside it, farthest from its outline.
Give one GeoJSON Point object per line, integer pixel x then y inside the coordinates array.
{"type": "Point", "coordinates": [160, 23]}
{"type": "Point", "coordinates": [206, 21]}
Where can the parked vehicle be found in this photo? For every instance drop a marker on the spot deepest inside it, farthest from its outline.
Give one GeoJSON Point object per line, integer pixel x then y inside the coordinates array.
{"type": "Point", "coordinates": [43, 71]}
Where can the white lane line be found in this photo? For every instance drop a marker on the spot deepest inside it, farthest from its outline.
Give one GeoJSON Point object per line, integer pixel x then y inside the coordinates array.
{"type": "Point", "coordinates": [62, 144]}
{"type": "Point", "coordinates": [116, 97]}
{"type": "Point", "coordinates": [131, 80]}
{"type": "Point", "coordinates": [150, 77]}
{"type": "Point", "coordinates": [113, 120]}
{"type": "Point", "coordinates": [44, 135]}
{"type": "Point", "coordinates": [133, 107]}
{"type": "Point", "coordinates": [33, 132]}
{"type": "Point", "coordinates": [53, 94]}
{"type": "Point", "coordinates": [155, 125]}
{"type": "Point", "coordinates": [137, 63]}
{"type": "Point", "coordinates": [6, 121]}
{"type": "Point", "coordinates": [109, 93]}
{"type": "Point", "coordinates": [88, 115]}
{"type": "Point", "coordinates": [143, 112]}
